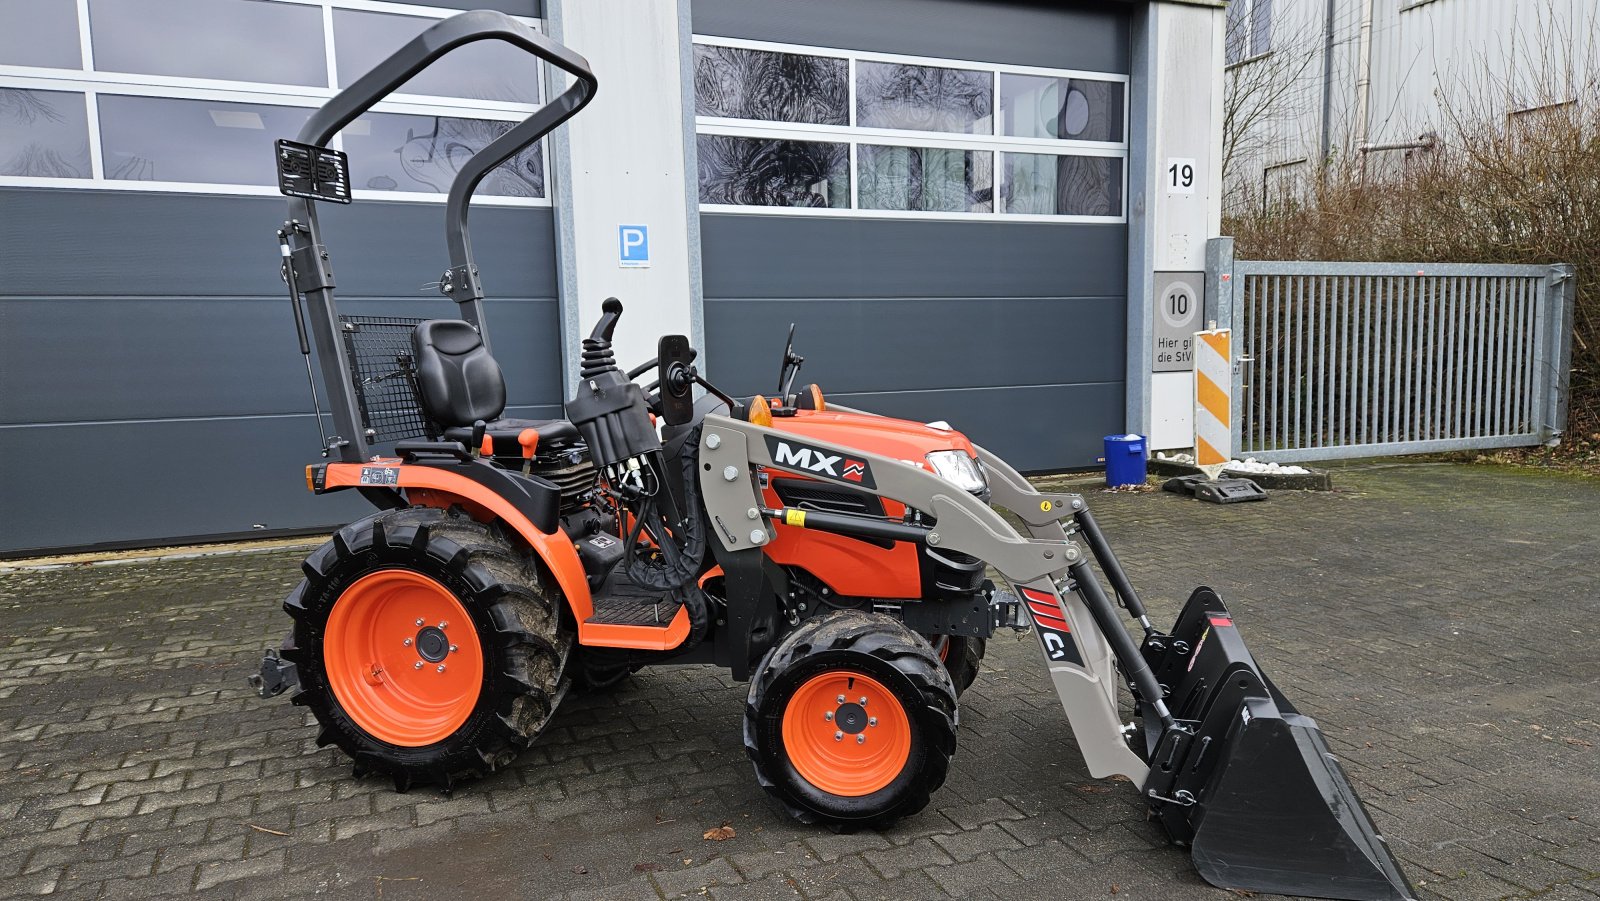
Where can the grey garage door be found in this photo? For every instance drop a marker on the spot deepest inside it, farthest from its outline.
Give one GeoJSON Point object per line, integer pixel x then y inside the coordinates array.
{"type": "Point", "coordinates": [150, 386]}
{"type": "Point", "coordinates": [151, 390]}
{"type": "Point", "coordinates": [933, 191]}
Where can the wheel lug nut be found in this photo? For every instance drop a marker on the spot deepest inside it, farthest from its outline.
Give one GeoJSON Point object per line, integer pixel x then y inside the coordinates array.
{"type": "Point", "coordinates": [838, 736]}
{"type": "Point", "coordinates": [407, 642]}
{"type": "Point", "coordinates": [417, 665]}
{"type": "Point", "coordinates": [861, 738]}
{"type": "Point", "coordinates": [841, 699]}
{"type": "Point", "coordinates": [452, 649]}
{"type": "Point", "coordinates": [863, 701]}
{"type": "Point", "coordinates": [441, 667]}
{"type": "Point", "coordinates": [419, 620]}
{"type": "Point", "coordinates": [828, 716]}
{"type": "Point", "coordinates": [443, 624]}
{"type": "Point", "coordinates": [872, 721]}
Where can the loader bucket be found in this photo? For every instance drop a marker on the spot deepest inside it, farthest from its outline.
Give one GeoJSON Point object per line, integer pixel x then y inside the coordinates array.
{"type": "Point", "coordinates": [1251, 786]}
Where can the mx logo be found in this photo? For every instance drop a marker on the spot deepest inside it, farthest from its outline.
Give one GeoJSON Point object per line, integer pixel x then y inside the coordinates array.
{"type": "Point", "coordinates": [816, 461]}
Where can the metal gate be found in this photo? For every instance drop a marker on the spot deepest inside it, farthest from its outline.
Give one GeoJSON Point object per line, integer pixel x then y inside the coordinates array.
{"type": "Point", "coordinates": [1337, 360]}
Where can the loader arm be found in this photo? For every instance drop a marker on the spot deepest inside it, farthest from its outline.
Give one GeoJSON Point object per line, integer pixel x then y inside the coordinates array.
{"type": "Point", "coordinates": [1049, 569]}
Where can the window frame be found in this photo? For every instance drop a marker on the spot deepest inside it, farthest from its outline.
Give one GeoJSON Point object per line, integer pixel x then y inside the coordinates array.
{"type": "Point", "coordinates": [91, 83]}
{"type": "Point", "coordinates": [854, 136]}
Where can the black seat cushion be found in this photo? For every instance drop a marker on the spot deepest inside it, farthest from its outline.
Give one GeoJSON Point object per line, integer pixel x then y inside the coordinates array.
{"type": "Point", "coordinates": [552, 432]}
{"type": "Point", "coordinates": [459, 382]}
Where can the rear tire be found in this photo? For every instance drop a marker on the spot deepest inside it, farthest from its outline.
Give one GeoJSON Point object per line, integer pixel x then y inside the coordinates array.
{"type": "Point", "coordinates": [594, 670]}
{"type": "Point", "coordinates": [847, 764]}
{"type": "Point", "coordinates": [436, 700]}
{"type": "Point", "coordinates": [963, 658]}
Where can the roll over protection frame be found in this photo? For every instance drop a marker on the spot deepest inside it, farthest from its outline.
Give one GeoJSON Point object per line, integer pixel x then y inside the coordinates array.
{"type": "Point", "coordinates": [311, 271]}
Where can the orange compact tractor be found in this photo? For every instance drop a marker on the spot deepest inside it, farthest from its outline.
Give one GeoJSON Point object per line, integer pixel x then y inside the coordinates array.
{"type": "Point", "coordinates": [837, 560]}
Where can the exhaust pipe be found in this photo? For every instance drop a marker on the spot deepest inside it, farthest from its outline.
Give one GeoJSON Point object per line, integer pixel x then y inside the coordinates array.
{"type": "Point", "coordinates": [1246, 781]}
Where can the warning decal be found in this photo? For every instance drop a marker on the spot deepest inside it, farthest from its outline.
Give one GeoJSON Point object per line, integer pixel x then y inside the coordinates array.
{"type": "Point", "coordinates": [1054, 632]}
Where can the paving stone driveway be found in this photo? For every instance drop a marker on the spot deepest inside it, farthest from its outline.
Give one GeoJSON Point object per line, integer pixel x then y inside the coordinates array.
{"type": "Point", "coordinates": [1439, 621]}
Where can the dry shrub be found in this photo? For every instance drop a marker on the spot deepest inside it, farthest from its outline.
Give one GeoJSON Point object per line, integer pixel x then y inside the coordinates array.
{"type": "Point", "coordinates": [1524, 189]}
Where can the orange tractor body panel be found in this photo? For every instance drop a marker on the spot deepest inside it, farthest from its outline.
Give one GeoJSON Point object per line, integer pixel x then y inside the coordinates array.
{"type": "Point", "coordinates": [849, 566]}
{"type": "Point", "coordinates": [428, 486]}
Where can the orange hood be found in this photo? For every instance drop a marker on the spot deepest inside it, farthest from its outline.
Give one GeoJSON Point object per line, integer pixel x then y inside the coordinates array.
{"type": "Point", "coordinates": [897, 438]}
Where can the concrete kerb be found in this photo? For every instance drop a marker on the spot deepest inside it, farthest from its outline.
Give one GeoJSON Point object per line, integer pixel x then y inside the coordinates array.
{"type": "Point", "coordinates": [1315, 480]}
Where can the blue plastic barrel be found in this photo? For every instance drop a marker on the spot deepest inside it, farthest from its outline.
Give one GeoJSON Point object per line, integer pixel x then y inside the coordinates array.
{"type": "Point", "coordinates": [1125, 462]}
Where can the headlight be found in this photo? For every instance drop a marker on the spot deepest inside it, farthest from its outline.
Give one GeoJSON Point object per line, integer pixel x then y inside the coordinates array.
{"type": "Point", "coordinates": [959, 469]}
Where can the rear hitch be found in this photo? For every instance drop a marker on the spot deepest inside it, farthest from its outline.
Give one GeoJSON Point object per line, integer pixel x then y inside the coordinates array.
{"type": "Point", "coordinates": [277, 675]}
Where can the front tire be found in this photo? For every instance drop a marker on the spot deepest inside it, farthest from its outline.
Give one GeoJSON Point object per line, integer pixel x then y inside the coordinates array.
{"type": "Point", "coordinates": [867, 760]}
{"type": "Point", "coordinates": [427, 645]}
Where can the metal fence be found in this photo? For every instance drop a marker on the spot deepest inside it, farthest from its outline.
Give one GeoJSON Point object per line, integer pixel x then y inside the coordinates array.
{"type": "Point", "coordinates": [1373, 359]}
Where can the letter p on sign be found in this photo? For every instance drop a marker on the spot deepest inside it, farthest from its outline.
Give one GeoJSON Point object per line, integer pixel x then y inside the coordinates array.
{"type": "Point", "coordinates": [633, 246]}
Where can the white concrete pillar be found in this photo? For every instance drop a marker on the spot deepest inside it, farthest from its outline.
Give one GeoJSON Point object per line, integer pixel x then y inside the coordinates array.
{"type": "Point", "coordinates": [1180, 51]}
{"type": "Point", "coordinates": [622, 162]}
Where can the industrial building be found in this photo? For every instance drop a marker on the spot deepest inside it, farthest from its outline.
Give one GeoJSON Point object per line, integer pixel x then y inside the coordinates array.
{"type": "Point", "coordinates": [989, 213]}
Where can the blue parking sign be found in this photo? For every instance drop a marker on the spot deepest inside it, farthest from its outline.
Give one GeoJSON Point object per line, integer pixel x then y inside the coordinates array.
{"type": "Point", "coordinates": [633, 246]}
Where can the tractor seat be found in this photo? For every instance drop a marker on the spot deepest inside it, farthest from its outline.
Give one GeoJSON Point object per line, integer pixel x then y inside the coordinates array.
{"type": "Point", "coordinates": [460, 383]}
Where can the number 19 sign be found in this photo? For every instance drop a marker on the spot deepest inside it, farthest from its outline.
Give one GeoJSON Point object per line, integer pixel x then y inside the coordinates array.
{"type": "Point", "coordinates": [1180, 176]}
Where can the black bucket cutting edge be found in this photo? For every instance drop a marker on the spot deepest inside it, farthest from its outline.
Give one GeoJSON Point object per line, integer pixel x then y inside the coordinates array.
{"type": "Point", "coordinates": [1249, 783]}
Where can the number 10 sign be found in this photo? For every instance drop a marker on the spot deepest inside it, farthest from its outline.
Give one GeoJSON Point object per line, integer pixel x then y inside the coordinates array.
{"type": "Point", "coordinates": [1177, 318]}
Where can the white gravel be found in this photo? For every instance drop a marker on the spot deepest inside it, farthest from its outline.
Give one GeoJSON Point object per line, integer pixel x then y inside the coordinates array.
{"type": "Point", "coordinates": [1247, 465]}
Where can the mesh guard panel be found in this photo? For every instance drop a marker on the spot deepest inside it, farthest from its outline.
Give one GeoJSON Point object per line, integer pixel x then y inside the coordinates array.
{"type": "Point", "coordinates": [383, 372]}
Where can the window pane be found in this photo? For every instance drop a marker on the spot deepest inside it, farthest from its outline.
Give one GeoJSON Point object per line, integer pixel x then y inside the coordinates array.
{"type": "Point", "coordinates": [392, 152]}
{"type": "Point", "coordinates": [736, 83]}
{"type": "Point", "coordinates": [763, 172]}
{"type": "Point", "coordinates": [483, 70]}
{"type": "Point", "coordinates": [43, 134]}
{"type": "Point", "coordinates": [1062, 185]}
{"type": "Point", "coordinates": [924, 98]}
{"type": "Point", "coordinates": [237, 40]}
{"type": "Point", "coordinates": [1236, 36]}
{"type": "Point", "coordinates": [1075, 109]}
{"type": "Point", "coordinates": [1260, 27]}
{"type": "Point", "coordinates": [925, 179]}
{"type": "Point", "coordinates": [202, 141]}
{"type": "Point", "coordinates": [39, 33]}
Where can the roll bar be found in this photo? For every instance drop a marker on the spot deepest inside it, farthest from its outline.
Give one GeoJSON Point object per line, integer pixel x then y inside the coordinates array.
{"type": "Point", "coordinates": [461, 282]}
{"type": "Point", "coordinates": [308, 265]}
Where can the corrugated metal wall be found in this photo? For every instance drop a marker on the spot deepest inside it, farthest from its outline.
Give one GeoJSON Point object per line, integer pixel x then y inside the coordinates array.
{"type": "Point", "coordinates": [1477, 59]}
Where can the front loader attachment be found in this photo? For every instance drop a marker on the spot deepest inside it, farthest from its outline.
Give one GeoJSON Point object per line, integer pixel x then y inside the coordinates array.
{"type": "Point", "coordinates": [1247, 781]}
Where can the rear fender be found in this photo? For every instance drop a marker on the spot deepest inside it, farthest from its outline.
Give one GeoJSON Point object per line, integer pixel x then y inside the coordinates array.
{"type": "Point", "coordinates": [445, 486]}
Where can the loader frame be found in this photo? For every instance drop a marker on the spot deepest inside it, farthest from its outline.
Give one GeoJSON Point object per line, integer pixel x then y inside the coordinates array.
{"type": "Point", "coordinates": [1077, 626]}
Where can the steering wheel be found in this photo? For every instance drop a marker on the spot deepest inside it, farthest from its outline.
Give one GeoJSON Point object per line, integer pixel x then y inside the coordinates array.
{"type": "Point", "coordinates": [790, 359]}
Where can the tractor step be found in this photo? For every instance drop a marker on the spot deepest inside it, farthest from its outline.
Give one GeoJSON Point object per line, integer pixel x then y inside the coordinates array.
{"type": "Point", "coordinates": [625, 604]}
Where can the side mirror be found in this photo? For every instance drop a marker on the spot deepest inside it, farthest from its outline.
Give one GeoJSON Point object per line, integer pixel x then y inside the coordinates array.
{"type": "Point", "coordinates": [677, 378]}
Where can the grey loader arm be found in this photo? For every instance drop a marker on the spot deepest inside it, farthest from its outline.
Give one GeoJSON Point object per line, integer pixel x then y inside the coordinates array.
{"type": "Point", "coordinates": [731, 451]}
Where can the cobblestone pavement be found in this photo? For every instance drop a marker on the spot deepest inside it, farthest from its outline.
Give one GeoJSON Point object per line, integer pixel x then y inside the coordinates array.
{"type": "Point", "coordinates": [1439, 621]}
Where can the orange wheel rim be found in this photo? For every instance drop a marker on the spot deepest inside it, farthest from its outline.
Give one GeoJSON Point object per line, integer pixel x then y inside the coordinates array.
{"type": "Point", "coordinates": [846, 733]}
{"type": "Point", "coordinates": [403, 658]}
